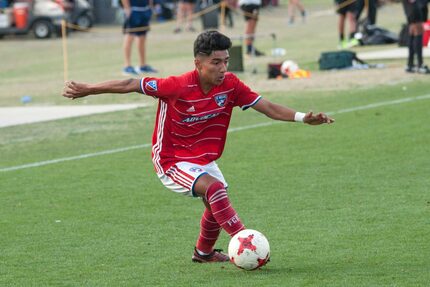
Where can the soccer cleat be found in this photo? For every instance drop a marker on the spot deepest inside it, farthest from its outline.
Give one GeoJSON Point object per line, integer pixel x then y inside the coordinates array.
{"type": "Point", "coordinates": [214, 257]}
{"type": "Point", "coordinates": [346, 44]}
{"type": "Point", "coordinates": [177, 30]}
{"type": "Point", "coordinates": [129, 71]}
{"type": "Point", "coordinates": [354, 42]}
{"type": "Point", "coordinates": [423, 70]}
{"type": "Point", "coordinates": [147, 69]}
{"type": "Point", "coordinates": [410, 69]}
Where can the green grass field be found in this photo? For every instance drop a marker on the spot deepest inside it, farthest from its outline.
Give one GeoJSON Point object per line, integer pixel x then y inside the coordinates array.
{"type": "Point", "coordinates": [342, 205]}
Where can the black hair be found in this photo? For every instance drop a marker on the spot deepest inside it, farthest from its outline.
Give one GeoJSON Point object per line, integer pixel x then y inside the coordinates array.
{"type": "Point", "coordinates": [210, 41]}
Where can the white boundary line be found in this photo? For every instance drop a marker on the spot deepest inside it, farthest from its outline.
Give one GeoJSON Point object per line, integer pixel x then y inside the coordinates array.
{"type": "Point", "coordinates": [237, 129]}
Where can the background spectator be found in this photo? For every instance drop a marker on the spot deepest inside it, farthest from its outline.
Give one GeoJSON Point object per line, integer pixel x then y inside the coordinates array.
{"type": "Point", "coordinates": [184, 13]}
{"type": "Point", "coordinates": [372, 6]}
{"type": "Point", "coordinates": [138, 15]}
{"type": "Point", "coordinates": [416, 12]}
{"type": "Point", "coordinates": [346, 10]}
{"type": "Point", "coordinates": [293, 5]}
{"type": "Point", "coordinates": [251, 9]}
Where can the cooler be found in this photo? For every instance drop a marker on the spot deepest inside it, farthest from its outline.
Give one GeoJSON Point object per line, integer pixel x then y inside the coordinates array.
{"type": "Point", "coordinates": [5, 19]}
{"type": "Point", "coordinates": [20, 14]}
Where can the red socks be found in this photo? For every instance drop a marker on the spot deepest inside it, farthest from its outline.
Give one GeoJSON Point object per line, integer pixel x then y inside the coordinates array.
{"type": "Point", "coordinates": [209, 232]}
{"type": "Point", "coordinates": [223, 212]}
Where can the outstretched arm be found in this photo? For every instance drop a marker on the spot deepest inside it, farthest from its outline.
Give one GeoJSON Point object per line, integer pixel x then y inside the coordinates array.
{"type": "Point", "coordinates": [282, 113]}
{"type": "Point", "coordinates": [75, 90]}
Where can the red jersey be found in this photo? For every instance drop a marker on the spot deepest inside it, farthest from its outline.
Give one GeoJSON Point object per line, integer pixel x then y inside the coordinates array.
{"type": "Point", "coordinates": [192, 126]}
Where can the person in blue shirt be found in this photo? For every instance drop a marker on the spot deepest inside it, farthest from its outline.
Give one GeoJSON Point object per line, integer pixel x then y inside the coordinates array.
{"type": "Point", "coordinates": [138, 15]}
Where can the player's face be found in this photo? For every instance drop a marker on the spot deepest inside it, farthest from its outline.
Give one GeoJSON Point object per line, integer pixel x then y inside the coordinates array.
{"type": "Point", "coordinates": [212, 68]}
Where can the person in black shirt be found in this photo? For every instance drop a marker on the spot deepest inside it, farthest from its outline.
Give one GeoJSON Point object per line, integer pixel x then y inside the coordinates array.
{"type": "Point", "coordinates": [416, 12]}
{"type": "Point", "coordinates": [371, 6]}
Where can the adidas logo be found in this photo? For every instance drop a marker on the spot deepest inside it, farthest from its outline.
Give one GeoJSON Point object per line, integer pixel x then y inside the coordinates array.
{"type": "Point", "coordinates": [191, 109]}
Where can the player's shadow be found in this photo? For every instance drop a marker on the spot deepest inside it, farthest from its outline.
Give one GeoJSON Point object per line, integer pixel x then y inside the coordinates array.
{"type": "Point", "coordinates": [266, 270]}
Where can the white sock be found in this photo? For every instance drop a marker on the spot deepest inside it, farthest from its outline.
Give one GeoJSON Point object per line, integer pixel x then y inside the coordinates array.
{"type": "Point", "coordinates": [201, 252]}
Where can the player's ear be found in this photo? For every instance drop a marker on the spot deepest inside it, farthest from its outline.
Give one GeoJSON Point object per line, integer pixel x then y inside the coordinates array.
{"type": "Point", "coordinates": [198, 63]}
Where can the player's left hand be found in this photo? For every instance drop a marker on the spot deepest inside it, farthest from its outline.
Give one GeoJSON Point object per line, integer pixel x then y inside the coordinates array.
{"type": "Point", "coordinates": [317, 119]}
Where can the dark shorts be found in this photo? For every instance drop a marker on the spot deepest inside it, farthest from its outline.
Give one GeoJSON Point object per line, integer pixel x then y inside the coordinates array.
{"type": "Point", "coordinates": [189, 1]}
{"type": "Point", "coordinates": [250, 9]}
{"type": "Point", "coordinates": [345, 6]}
{"type": "Point", "coordinates": [415, 12]}
{"type": "Point", "coordinates": [137, 20]}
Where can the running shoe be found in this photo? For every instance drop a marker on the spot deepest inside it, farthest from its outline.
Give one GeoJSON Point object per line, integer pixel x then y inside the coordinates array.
{"type": "Point", "coordinates": [129, 71]}
{"type": "Point", "coordinates": [147, 69]}
{"type": "Point", "coordinates": [423, 70]}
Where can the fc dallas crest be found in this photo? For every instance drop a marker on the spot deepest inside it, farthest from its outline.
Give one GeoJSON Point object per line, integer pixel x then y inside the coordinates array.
{"type": "Point", "coordinates": [220, 100]}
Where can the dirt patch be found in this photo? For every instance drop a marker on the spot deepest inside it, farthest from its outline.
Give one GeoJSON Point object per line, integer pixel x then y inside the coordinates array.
{"type": "Point", "coordinates": [335, 80]}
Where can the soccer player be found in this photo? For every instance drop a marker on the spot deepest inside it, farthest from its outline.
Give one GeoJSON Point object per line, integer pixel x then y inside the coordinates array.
{"type": "Point", "coordinates": [194, 111]}
{"type": "Point", "coordinates": [416, 14]}
{"type": "Point", "coordinates": [251, 9]}
{"type": "Point", "coordinates": [346, 10]}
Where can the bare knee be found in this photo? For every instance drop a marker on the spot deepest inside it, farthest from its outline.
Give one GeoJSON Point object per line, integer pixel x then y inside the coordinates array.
{"type": "Point", "coordinates": [202, 184]}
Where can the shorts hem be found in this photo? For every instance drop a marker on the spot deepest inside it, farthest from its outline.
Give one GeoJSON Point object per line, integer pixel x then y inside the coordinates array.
{"type": "Point", "coordinates": [194, 183]}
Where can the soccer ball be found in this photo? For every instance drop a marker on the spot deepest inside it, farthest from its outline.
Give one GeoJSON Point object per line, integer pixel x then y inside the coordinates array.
{"type": "Point", "coordinates": [289, 67]}
{"type": "Point", "coordinates": [249, 249]}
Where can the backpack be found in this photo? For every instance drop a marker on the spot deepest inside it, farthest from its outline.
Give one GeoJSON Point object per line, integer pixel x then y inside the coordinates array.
{"type": "Point", "coordinates": [374, 35]}
{"type": "Point", "coordinates": [338, 60]}
{"type": "Point", "coordinates": [274, 70]}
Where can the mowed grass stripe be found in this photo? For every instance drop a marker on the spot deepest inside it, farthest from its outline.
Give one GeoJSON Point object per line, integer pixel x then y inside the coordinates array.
{"type": "Point", "coordinates": [236, 129]}
{"type": "Point", "coordinates": [340, 205]}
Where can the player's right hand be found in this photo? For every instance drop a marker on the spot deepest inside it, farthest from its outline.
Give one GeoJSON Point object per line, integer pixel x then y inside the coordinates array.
{"type": "Point", "coordinates": [317, 119]}
{"type": "Point", "coordinates": [73, 90]}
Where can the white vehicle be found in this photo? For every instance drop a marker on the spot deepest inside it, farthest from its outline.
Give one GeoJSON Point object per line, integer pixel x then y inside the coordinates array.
{"type": "Point", "coordinates": [40, 17]}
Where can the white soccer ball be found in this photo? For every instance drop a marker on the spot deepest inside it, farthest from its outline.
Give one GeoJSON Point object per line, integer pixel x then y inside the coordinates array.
{"type": "Point", "coordinates": [249, 249]}
{"type": "Point", "coordinates": [288, 67]}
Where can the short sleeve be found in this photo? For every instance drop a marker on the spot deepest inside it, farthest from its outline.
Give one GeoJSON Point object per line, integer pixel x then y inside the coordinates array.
{"type": "Point", "coordinates": [162, 88]}
{"type": "Point", "coordinates": [245, 97]}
